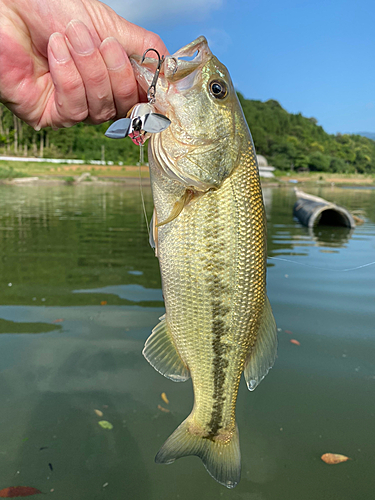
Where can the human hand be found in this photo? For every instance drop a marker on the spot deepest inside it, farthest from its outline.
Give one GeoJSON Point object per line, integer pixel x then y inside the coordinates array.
{"type": "Point", "coordinates": [55, 71]}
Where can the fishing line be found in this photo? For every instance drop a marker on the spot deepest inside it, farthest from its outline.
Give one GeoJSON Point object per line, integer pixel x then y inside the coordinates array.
{"type": "Point", "coordinates": [141, 161]}
{"type": "Point", "coordinates": [323, 268]}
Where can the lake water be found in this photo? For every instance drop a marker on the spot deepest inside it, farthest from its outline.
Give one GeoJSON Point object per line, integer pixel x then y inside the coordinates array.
{"type": "Point", "coordinates": [80, 293]}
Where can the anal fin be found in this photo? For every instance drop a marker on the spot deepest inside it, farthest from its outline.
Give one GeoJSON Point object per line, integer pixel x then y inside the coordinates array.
{"type": "Point", "coordinates": [161, 352]}
{"type": "Point", "coordinates": [263, 355]}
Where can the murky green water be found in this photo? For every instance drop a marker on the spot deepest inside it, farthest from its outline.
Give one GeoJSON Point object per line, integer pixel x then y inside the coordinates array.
{"type": "Point", "coordinates": [67, 250]}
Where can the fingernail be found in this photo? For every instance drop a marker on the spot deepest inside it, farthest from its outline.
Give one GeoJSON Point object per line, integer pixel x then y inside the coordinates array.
{"type": "Point", "coordinates": [58, 47]}
{"type": "Point", "coordinates": [113, 53]}
{"type": "Point", "coordinates": [80, 38]}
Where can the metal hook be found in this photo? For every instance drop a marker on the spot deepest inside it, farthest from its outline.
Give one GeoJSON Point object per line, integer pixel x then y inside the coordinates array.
{"type": "Point", "coordinates": [152, 88]}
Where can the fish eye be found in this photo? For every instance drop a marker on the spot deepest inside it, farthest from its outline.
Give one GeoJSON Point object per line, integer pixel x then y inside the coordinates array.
{"type": "Point", "coordinates": [218, 89]}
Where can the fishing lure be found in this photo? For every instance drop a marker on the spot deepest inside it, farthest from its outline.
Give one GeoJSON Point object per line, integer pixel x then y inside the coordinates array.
{"type": "Point", "coordinates": [142, 119]}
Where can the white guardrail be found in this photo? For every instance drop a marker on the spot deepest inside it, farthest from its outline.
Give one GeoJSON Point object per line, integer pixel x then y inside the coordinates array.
{"type": "Point", "coordinates": [56, 160]}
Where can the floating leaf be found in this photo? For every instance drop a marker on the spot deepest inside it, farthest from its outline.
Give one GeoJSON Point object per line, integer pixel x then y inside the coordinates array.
{"type": "Point", "coordinates": [99, 413]}
{"type": "Point", "coordinates": [164, 398]}
{"type": "Point", "coordinates": [105, 424]}
{"type": "Point", "coordinates": [18, 491]}
{"type": "Point", "coordinates": [334, 458]}
{"type": "Point", "coordinates": [103, 303]}
{"type": "Point", "coordinates": [294, 341]}
{"type": "Point", "coordinates": [358, 220]}
{"type": "Point", "coordinates": [161, 408]}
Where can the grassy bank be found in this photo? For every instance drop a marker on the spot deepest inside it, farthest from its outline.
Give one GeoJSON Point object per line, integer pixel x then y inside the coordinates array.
{"type": "Point", "coordinates": [52, 170]}
{"type": "Point", "coordinates": [315, 178]}
{"type": "Point", "coordinates": [9, 170]}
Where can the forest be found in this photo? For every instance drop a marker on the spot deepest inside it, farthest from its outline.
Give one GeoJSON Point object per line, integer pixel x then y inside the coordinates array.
{"type": "Point", "coordinates": [288, 141]}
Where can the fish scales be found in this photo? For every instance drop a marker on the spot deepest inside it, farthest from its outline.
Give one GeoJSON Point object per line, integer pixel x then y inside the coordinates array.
{"type": "Point", "coordinates": [209, 270]}
{"type": "Point", "coordinates": [212, 256]}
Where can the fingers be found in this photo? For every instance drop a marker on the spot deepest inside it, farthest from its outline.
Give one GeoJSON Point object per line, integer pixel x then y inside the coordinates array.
{"type": "Point", "coordinates": [69, 105]}
{"type": "Point", "coordinates": [93, 71]}
{"type": "Point", "coordinates": [94, 83]}
{"type": "Point", "coordinates": [152, 40]}
{"type": "Point", "coordinates": [137, 40]}
{"type": "Point", "coordinates": [91, 83]}
{"type": "Point", "coordinates": [123, 83]}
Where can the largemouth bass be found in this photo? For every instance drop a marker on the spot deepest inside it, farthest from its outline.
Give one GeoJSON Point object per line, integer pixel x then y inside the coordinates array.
{"type": "Point", "coordinates": [209, 233]}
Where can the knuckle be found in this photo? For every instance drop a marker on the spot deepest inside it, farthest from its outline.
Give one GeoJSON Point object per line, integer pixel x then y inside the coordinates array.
{"type": "Point", "coordinates": [73, 85]}
{"type": "Point", "coordinates": [153, 40]}
{"type": "Point", "coordinates": [128, 91]}
{"type": "Point", "coordinates": [103, 116]}
{"type": "Point", "coordinates": [72, 114]}
{"type": "Point", "coordinates": [79, 116]}
{"type": "Point", "coordinates": [125, 87]}
{"type": "Point", "coordinates": [97, 78]}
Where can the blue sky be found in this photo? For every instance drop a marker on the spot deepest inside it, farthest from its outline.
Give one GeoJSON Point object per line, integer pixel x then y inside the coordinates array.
{"type": "Point", "coordinates": [314, 57]}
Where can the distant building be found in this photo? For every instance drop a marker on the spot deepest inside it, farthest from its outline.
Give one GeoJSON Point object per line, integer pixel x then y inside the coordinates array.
{"type": "Point", "coordinates": [265, 170]}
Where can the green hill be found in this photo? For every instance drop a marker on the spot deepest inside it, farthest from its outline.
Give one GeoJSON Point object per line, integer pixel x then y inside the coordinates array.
{"type": "Point", "coordinates": [370, 135]}
{"type": "Point", "coordinates": [288, 141]}
{"type": "Point", "coordinates": [294, 141]}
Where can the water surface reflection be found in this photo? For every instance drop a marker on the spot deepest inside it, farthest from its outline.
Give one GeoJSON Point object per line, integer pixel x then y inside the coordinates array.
{"type": "Point", "coordinates": [77, 273]}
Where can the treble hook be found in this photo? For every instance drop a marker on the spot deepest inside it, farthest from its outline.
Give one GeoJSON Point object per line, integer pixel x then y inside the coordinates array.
{"type": "Point", "coordinates": [152, 88]}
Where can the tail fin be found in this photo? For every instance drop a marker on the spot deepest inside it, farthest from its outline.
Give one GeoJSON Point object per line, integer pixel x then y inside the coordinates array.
{"type": "Point", "coordinates": [222, 459]}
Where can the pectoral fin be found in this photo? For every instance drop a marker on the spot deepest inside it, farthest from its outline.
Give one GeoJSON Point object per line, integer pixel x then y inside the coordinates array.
{"type": "Point", "coordinates": [153, 235]}
{"type": "Point", "coordinates": [161, 352]}
{"type": "Point", "coordinates": [263, 354]}
{"type": "Point", "coordinates": [178, 207]}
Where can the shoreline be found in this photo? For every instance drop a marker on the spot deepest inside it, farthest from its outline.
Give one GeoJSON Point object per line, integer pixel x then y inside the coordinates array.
{"type": "Point", "coordinates": [22, 173]}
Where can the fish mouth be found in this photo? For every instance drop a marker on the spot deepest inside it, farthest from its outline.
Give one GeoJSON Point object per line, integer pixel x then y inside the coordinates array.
{"type": "Point", "coordinates": [176, 69]}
